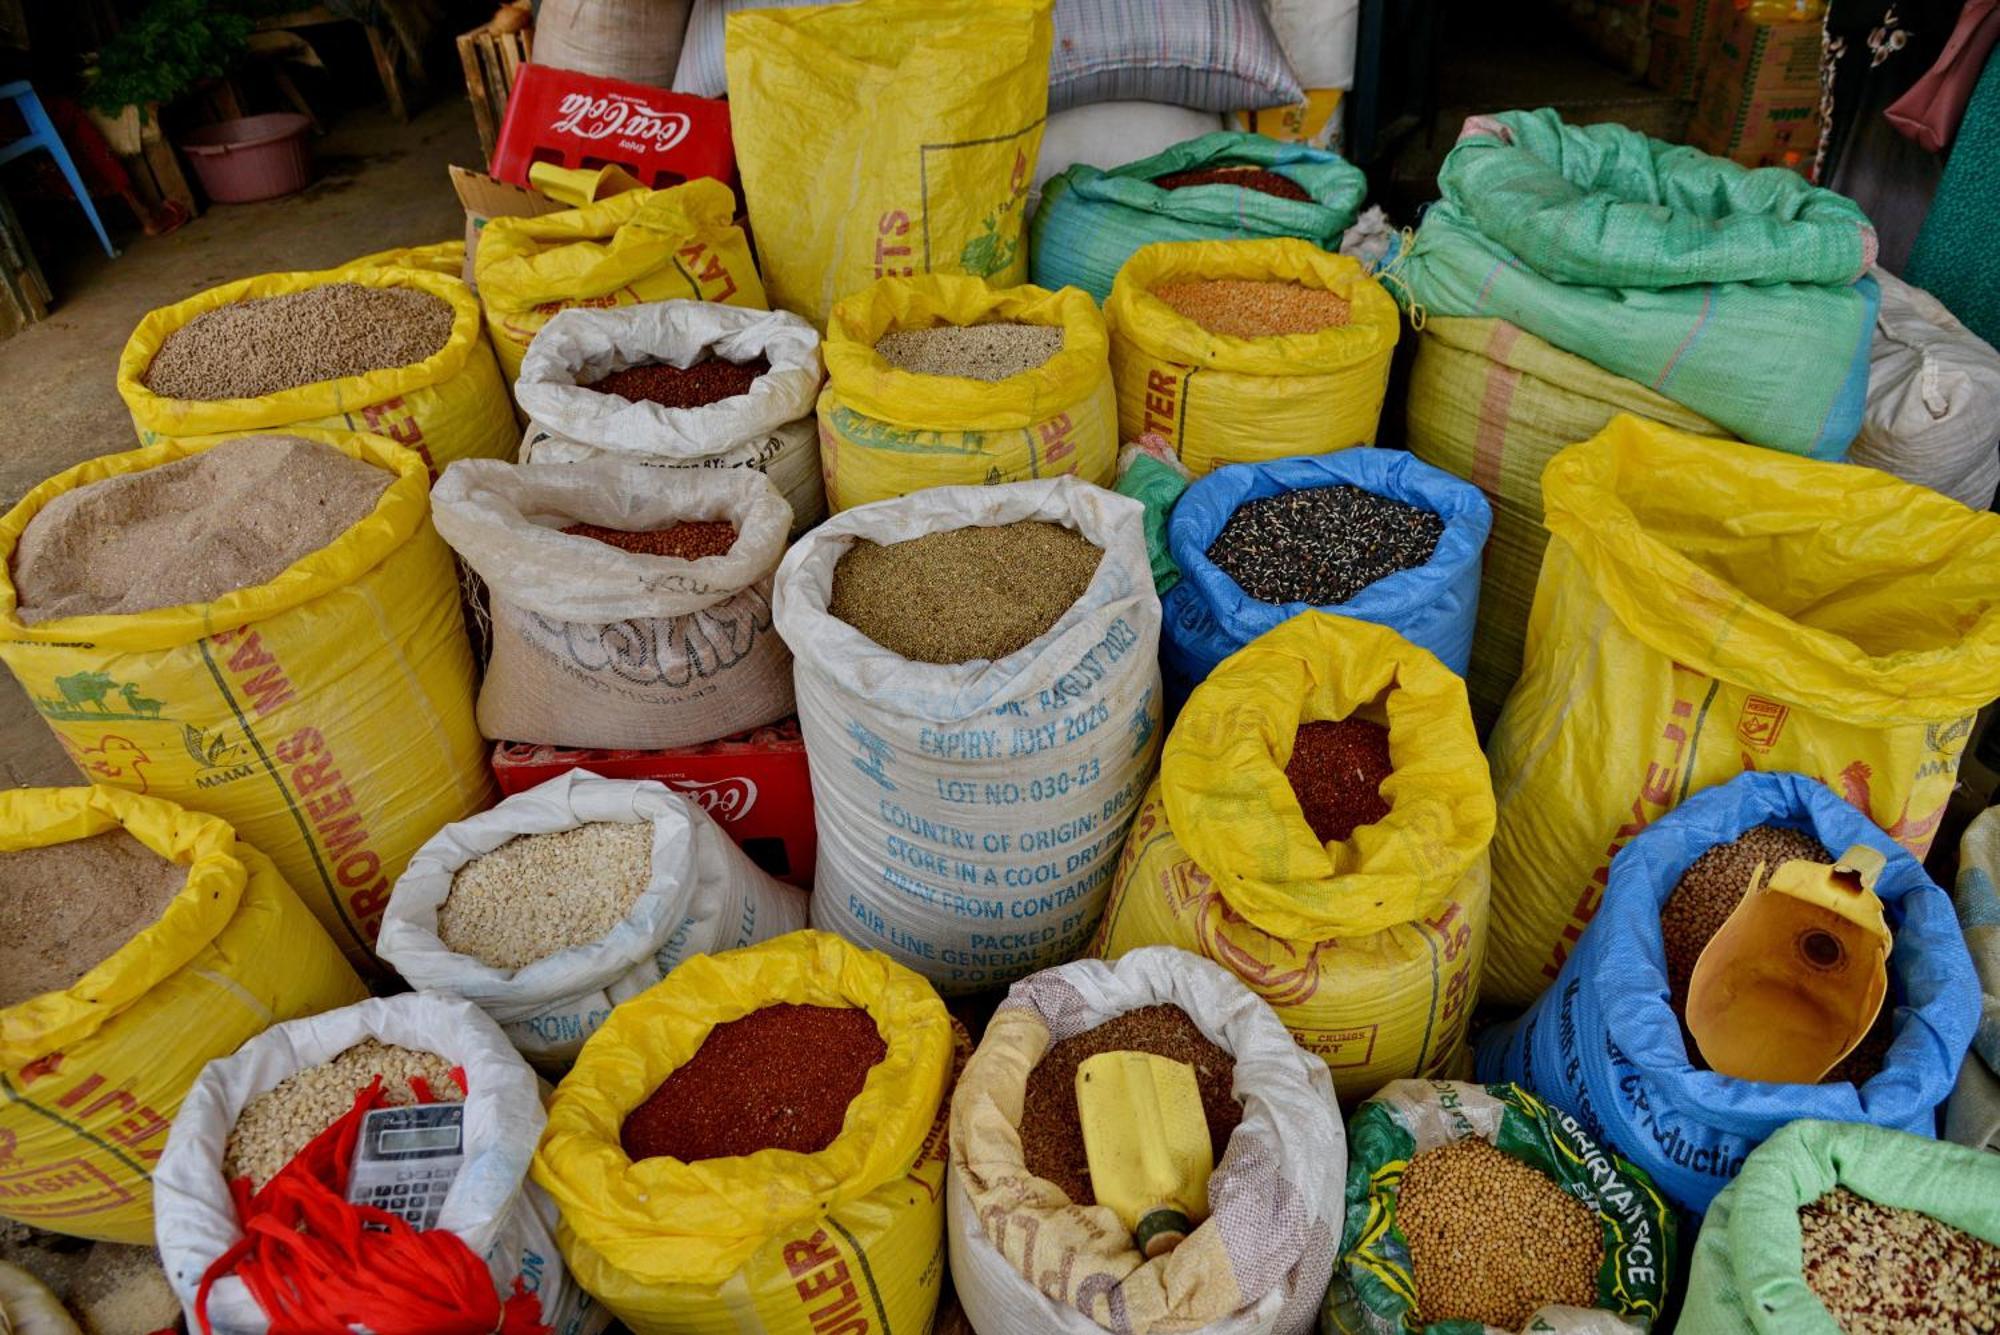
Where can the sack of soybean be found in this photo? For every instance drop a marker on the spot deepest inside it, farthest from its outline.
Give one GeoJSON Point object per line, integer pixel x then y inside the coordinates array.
{"type": "Point", "coordinates": [939, 380]}
{"type": "Point", "coordinates": [1606, 1040]}
{"type": "Point", "coordinates": [566, 899]}
{"type": "Point", "coordinates": [248, 1114]}
{"type": "Point", "coordinates": [1481, 1208]}
{"type": "Point", "coordinates": [1257, 1265]}
{"type": "Point", "coordinates": [1090, 220]}
{"type": "Point", "coordinates": [971, 809]}
{"type": "Point", "coordinates": [1421, 563]}
{"type": "Point", "coordinates": [768, 427]}
{"type": "Point", "coordinates": [599, 645]}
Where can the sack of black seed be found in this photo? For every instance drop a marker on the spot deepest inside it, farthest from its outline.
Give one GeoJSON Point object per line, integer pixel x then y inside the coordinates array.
{"type": "Point", "coordinates": [1377, 535]}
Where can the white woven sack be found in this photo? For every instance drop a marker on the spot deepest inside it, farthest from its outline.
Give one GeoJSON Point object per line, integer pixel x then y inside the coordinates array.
{"type": "Point", "coordinates": [492, 1206]}
{"type": "Point", "coordinates": [1319, 37]}
{"type": "Point", "coordinates": [704, 895]}
{"type": "Point", "coordinates": [1277, 1193]}
{"type": "Point", "coordinates": [598, 647]}
{"type": "Point", "coordinates": [771, 428]}
{"type": "Point", "coordinates": [1933, 415]}
{"type": "Point", "coordinates": [970, 815]}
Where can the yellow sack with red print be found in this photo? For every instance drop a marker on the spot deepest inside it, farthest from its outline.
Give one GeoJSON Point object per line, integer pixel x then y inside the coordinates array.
{"type": "Point", "coordinates": [848, 1239]}
{"type": "Point", "coordinates": [94, 1074]}
{"type": "Point", "coordinates": [445, 257]}
{"type": "Point", "coordinates": [1706, 608]}
{"type": "Point", "coordinates": [452, 405]}
{"type": "Point", "coordinates": [885, 432]}
{"type": "Point", "coordinates": [641, 245]}
{"type": "Point", "coordinates": [1369, 949]}
{"type": "Point", "coordinates": [326, 715]}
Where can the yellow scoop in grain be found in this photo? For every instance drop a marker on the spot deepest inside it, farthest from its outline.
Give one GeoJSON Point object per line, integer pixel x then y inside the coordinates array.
{"type": "Point", "coordinates": [1147, 1142]}
{"type": "Point", "coordinates": [1795, 978]}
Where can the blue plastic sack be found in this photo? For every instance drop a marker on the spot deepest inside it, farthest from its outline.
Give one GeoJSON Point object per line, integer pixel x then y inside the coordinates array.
{"type": "Point", "coordinates": [1209, 616]}
{"type": "Point", "coordinates": [1603, 1042]}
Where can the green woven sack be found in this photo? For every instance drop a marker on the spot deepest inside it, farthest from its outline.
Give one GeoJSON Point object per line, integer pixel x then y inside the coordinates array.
{"type": "Point", "coordinates": [1747, 1265]}
{"type": "Point", "coordinates": [1155, 483]}
{"type": "Point", "coordinates": [1739, 294]}
{"type": "Point", "coordinates": [1091, 220]}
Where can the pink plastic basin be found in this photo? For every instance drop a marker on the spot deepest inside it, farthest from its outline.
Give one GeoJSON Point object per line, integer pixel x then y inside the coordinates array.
{"type": "Point", "coordinates": [252, 158]}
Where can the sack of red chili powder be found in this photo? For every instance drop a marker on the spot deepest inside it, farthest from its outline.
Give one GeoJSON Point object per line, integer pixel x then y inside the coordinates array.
{"type": "Point", "coordinates": [847, 1239]}
{"type": "Point", "coordinates": [1368, 945]}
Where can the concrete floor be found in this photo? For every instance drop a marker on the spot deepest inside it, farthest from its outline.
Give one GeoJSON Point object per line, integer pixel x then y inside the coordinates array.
{"type": "Point", "coordinates": [381, 184]}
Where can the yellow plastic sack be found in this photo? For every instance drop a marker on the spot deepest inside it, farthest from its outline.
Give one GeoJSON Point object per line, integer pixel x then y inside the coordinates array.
{"type": "Point", "coordinates": [888, 139]}
{"type": "Point", "coordinates": [849, 1239]}
{"type": "Point", "coordinates": [885, 432]}
{"type": "Point", "coordinates": [1369, 950]}
{"type": "Point", "coordinates": [642, 245]}
{"type": "Point", "coordinates": [326, 715]}
{"type": "Point", "coordinates": [94, 1075]}
{"type": "Point", "coordinates": [452, 405]}
{"type": "Point", "coordinates": [445, 257]}
{"type": "Point", "coordinates": [1225, 400]}
{"type": "Point", "coordinates": [1706, 608]}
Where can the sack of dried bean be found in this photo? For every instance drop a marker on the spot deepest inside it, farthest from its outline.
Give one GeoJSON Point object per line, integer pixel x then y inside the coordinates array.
{"type": "Point", "coordinates": [1476, 1208]}
{"type": "Point", "coordinates": [911, 402]}
{"type": "Point", "coordinates": [491, 1207]}
{"type": "Point", "coordinates": [1972, 1117]}
{"type": "Point", "coordinates": [1606, 1041]}
{"type": "Point", "coordinates": [1309, 381]}
{"type": "Point", "coordinates": [636, 246]}
{"type": "Point", "coordinates": [124, 917]}
{"type": "Point", "coordinates": [1225, 186]}
{"type": "Point", "coordinates": [789, 1243]}
{"type": "Point", "coordinates": [1706, 608]}
{"type": "Point", "coordinates": [1368, 942]}
{"type": "Point", "coordinates": [575, 413]}
{"type": "Point", "coordinates": [1833, 1228]}
{"type": "Point", "coordinates": [396, 351]}
{"type": "Point", "coordinates": [598, 640]}
{"type": "Point", "coordinates": [971, 806]}
{"type": "Point", "coordinates": [1256, 1266]}
{"type": "Point", "coordinates": [566, 899]}
{"type": "Point", "coordinates": [324, 711]}
{"type": "Point", "coordinates": [1371, 534]}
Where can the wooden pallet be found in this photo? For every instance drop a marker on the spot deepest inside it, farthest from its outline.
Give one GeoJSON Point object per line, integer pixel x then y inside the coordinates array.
{"type": "Point", "coordinates": [491, 61]}
{"type": "Point", "coordinates": [24, 293]}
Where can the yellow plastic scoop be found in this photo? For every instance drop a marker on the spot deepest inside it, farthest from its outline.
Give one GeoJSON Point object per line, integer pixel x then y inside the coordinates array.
{"type": "Point", "coordinates": [1795, 978]}
{"type": "Point", "coordinates": [1147, 1141]}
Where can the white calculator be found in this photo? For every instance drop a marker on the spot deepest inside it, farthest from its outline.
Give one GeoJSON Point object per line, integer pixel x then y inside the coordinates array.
{"type": "Point", "coordinates": [406, 1160]}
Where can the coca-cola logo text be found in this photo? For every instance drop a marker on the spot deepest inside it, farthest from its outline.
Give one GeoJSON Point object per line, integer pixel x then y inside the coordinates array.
{"type": "Point", "coordinates": [616, 116]}
{"type": "Point", "coordinates": [725, 799]}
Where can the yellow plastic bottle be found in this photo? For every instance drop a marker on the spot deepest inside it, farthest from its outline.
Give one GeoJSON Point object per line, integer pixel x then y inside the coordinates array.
{"type": "Point", "coordinates": [1147, 1142]}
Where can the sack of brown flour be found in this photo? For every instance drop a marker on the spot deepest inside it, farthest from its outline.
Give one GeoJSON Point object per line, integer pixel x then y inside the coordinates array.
{"type": "Point", "coordinates": [692, 892]}
{"type": "Point", "coordinates": [595, 646]}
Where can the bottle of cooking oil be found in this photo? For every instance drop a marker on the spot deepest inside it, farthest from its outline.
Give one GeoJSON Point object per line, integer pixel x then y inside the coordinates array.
{"type": "Point", "coordinates": [1147, 1142]}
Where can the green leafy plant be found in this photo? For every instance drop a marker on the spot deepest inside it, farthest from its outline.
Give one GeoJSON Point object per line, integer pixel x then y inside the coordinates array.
{"type": "Point", "coordinates": [168, 49]}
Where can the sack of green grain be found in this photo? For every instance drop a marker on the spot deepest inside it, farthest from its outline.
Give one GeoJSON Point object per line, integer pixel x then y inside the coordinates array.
{"type": "Point", "coordinates": [664, 383]}
{"type": "Point", "coordinates": [564, 900]}
{"type": "Point", "coordinates": [1972, 1117]}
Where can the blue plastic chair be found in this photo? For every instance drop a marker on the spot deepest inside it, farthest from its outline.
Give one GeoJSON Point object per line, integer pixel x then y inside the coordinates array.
{"type": "Point", "coordinates": [42, 134]}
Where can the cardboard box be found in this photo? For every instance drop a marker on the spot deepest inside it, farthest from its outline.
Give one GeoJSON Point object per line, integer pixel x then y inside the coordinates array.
{"type": "Point", "coordinates": [1779, 59]}
{"type": "Point", "coordinates": [485, 198]}
{"type": "Point", "coordinates": [1760, 131]}
{"type": "Point", "coordinates": [1757, 92]}
{"type": "Point", "coordinates": [1680, 32]}
{"type": "Point", "coordinates": [1618, 31]}
{"type": "Point", "coordinates": [1316, 121]}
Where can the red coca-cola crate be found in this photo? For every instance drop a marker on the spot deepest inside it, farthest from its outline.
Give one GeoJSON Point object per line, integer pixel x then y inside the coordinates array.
{"type": "Point", "coordinates": [755, 784]}
{"type": "Point", "coordinates": [582, 120]}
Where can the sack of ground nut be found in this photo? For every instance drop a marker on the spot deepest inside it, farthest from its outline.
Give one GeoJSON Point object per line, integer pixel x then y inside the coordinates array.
{"type": "Point", "coordinates": [631, 606]}
{"type": "Point", "coordinates": [1479, 1207]}
{"type": "Point", "coordinates": [248, 1114]}
{"type": "Point", "coordinates": [679, 384]}
{"type": "Point", "coordinates": [1028, 1257]}
{"type": "Point", "coordinates": [567, 899]}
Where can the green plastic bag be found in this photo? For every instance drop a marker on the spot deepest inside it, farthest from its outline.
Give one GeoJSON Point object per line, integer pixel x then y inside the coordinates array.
{"type": "Point", "coordinates": [1149, 473]}
{"type": "Point", "coordinates": [1374, 1290]}
{"type": "Point", "coordinates": [1749, 1242]}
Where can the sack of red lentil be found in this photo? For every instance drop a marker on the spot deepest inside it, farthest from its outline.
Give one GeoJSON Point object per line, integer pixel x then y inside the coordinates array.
{"type": "Point", "coordinates": [630, 606]}
{"type": "Point", "coordinates": [1607, 1039]}
{"type": "Point", "coordinates": [1834, 1228]}
{"type": "Point", "coordinates": [1376, 535]}
{"type": "Point", "coordinates": [1482, 1208]}
{"type": "Point", "coordinates": [731, 1153]}
{"type": "Point", "coordinates": [249, 1113]}
{"type": "Point", "coordinates": [940, 380]}
{"type": "Point", "coordinates": [663, 383]}
{"type": "Point", "coordinates": [566, 899]}
{"type": "Point", "coordinates": [972, 798]}
{"type": "Point", "coordinates": [1257, 1265]}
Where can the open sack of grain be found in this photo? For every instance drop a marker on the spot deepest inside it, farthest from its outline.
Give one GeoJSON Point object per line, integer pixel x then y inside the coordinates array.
{"type": "Point", "coordinates": [1032, 1249]}
{"type": "Point", "coordinates": [564, 900]}
{"type": "Point", "coordinates": [679, 384]}
{"type": "Point", "coordinates": [630, 606]}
